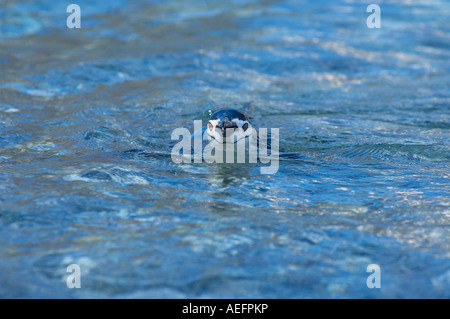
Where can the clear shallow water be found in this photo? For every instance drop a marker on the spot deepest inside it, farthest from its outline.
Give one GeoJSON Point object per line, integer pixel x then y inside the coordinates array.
{"type": "Point", "coordinates": [86, 175]}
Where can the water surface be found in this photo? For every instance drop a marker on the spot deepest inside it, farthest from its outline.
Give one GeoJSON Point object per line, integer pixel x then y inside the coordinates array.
{"type": "Point", "coordinates": [86, 175]}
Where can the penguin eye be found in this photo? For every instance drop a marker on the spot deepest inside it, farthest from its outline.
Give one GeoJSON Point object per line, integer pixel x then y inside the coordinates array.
{"type": "Point", "coordinates": [210, 126]}
{"type": "Point", "coordinates": [245, 127]}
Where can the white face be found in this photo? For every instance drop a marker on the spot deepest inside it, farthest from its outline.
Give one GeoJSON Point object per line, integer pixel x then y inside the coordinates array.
{"type": "Point", "coordinates": [233, 135]}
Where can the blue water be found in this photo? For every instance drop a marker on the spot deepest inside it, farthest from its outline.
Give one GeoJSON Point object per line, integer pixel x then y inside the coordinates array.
{"type": "Point", "coordinates": [86, 175]}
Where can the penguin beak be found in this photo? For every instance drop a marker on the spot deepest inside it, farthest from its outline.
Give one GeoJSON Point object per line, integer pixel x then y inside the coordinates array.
{"type": "Point", "coordinates": [226, 124]}
{"type": "Point", "coordinates": [224, 127]}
